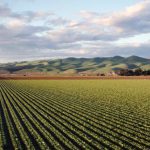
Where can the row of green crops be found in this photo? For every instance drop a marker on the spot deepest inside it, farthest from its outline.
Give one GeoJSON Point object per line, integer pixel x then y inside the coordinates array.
{"type": "Point", "coordinates": [67, 114]}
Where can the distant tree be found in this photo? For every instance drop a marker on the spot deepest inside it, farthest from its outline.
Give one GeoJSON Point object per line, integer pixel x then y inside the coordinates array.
{"type": "Point", "coordinates": [130, 73]}
{"type": "Point", "coordinates": [146, 72]}
{"type": "Point", "coordinates": [102, 74]}
{"type": "Point", "coordinates": [123, 72]}
{"type": "Point", "coordinates": [138, 72]}
{"type": "Point", "coordinates": [98, 74]}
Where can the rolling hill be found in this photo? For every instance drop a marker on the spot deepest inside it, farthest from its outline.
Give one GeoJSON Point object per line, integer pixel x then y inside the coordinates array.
{"type": "Point", "coordinates": [77, 65]}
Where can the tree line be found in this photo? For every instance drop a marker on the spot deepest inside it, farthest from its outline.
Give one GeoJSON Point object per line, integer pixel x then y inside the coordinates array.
{"type": "Point", "coordinates": [136, 72]}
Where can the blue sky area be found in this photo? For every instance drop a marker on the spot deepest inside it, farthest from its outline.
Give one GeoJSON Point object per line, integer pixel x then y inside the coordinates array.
{"type": "Point", "coordinates": [69, 8]}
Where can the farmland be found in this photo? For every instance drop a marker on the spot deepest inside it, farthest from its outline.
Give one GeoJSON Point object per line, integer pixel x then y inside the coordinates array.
{"type": "Point", "coordinates": [75, 114]}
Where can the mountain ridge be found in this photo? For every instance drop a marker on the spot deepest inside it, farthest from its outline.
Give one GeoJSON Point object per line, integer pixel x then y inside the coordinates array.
{"type": "Point", "coordinates": [72, 65]}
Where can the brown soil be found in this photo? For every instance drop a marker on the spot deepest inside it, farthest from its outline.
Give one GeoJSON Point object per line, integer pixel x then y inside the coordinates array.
{"type": "Point", "coordinates": [18, 77]}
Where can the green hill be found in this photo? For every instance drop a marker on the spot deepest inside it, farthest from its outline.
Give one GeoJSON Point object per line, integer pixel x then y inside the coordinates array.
{"type": "Point", "coordinates": [77, 65]}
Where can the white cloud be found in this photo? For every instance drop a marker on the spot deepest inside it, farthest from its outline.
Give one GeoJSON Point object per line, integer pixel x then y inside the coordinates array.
{"type": "Point", "coordinates": [36, 34]}
{"type": "Point", "coordinates": [15, 23]}
{"type": "Point", "coordinates": [92, 26]}
{"type": "Point", "coordinates": [4, 11]}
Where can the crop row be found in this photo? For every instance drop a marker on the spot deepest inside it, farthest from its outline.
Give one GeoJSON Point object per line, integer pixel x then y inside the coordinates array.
{"type": "Point", "coordinates": [50, 117]}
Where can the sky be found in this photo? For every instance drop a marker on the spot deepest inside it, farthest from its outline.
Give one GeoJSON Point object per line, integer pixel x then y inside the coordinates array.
{"type": "Point", "coordinates": [46, 29]}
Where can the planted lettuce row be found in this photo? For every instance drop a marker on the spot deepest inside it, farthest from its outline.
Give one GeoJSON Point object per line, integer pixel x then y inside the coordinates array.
{"type": "Point", "coordinates": [126, 135]}
{"type": "Point", "coordinates": [68, 115]}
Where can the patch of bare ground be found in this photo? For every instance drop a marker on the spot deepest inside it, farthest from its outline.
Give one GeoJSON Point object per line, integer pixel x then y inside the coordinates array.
{"type": "Point", "coordinates": [20, 77]}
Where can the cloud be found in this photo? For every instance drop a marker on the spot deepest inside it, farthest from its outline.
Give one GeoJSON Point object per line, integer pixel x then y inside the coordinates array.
{"type": "Point", "coordinates": [28, 16]}
{"type": "Point", "coordinates": [92, 26]}
{"type": "Point", "coordinates": [38, 34]}
{"type": "Point", "coordinates": [4, 11]}
{"type": "Point", "coordinates": [39, 15]}
{"type": "Point", "coordinates": [15, 23]}
{"type": "Point", "coordinates": [57, 21]}
{"type": "Point", "coordinates": [90, 49]}
{"type": "Point", "coordinates": [129, 22]}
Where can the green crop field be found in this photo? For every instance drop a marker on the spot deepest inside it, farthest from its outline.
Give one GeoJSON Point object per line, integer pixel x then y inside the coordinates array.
{"type": "Point", "coordinates": [73, 114]}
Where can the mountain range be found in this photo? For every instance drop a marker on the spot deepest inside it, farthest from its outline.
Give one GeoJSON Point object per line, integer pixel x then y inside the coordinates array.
{"type": "Point", "coordinates": [72, 65]}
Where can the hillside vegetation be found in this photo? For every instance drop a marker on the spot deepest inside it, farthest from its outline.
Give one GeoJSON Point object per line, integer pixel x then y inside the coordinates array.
{"type": "Point", "coordinates": [77, 65]}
